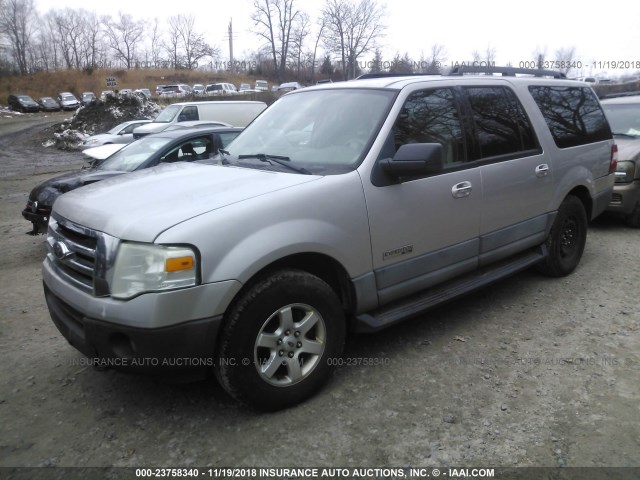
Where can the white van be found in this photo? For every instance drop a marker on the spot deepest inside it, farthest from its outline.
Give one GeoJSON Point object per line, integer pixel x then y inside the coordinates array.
{"type": "Point", "coordinates": [236, 113]}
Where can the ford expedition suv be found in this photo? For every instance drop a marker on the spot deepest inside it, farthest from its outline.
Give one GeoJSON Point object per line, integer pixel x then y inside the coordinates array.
{"type": "Point", "coordinates": [353, 204]}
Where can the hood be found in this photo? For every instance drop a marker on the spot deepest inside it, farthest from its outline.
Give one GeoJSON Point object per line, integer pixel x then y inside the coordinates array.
{"type": "Point", "coordinates": [628, 148]}
{"type": "Point", "coordinates": [47, 192]}
{"type": "Point", "coordinates": [151, 127]}
{"type": "Point", "coordinates": [101, 152]}
{"type": "Point", "coordinates": [141, 205]}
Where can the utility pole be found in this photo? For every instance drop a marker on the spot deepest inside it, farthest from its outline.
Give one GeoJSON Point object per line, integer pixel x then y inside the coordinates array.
{"type": "Point", "coordinates": [231, 44]}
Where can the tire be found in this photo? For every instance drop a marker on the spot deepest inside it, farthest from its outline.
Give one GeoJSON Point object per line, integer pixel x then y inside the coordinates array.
{"type": "Point", "coordinates": [279, 339]}
{"type": "Point", "coordinates": [633, 219]}
{"type": "Point", "coordinates": [566, 240]}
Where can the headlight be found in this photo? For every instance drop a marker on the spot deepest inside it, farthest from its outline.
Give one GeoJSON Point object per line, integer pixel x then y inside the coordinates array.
{"type": "Point", "coordinates": [91, 141]}
{"type": "Point", "coordinates": [625, 172]}
{"type": "Point", "coordinates": [143, 267]}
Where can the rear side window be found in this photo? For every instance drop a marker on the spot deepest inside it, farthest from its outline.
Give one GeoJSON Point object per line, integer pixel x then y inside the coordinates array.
{"type": "Point", "coordinates": [501, 124]}
{"type": "Point", "coordinates": [573, 115]}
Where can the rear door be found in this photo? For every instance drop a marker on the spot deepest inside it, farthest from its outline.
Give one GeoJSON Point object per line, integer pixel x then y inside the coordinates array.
{"type": "Point", "coordinates": [517, 179]}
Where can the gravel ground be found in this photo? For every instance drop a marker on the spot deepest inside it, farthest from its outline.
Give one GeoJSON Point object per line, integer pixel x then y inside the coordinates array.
{"type": "Point", "coordinates": [529, 372]}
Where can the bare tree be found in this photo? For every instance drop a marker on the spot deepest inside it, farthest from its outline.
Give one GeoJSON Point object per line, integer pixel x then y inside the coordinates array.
{"type": "Point", "coordinates": [565, 58]}
{"type": "Point", "coordinates": [156, 43]}
{"type": "Point", "coordinates": [172, 43]}
{"type": "Point", "coordinates": [274, 20]}
{"type": "Point", "coordinates": [124, 35]}
{"type": "Point", "coordinates": [300, 32]}
{"type": "Point", "coordinates": [540, 54]}
{"type": "Point", "coordinates": [16, 23]}
{"type": "Point", "coordinates": [193, 44]}
{"type": "Point", "coordinates": [321, 25]}
{"type": "Point", "coordinates": [435, 61]}
{"type": "Point", "coordinates": [92, 36]}
{"type": "Point", "coordinates": [354, 29]}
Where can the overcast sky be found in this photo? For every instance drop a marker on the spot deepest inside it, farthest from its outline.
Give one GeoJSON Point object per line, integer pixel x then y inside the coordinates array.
{"type": "Point", "coordinates": [602, 32]}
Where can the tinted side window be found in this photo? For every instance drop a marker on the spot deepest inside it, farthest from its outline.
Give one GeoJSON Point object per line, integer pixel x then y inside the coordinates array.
{"type": "Point", "coordinates": [431, 116]}
{"type": "Point", "coordinates": [501, 124]}
{"type": "Point", "coordinates": [573, 114]}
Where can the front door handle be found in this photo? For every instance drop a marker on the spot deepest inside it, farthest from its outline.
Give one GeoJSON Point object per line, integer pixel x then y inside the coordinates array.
{"type": "Point", "coordinates": [542, 170]}
{"type": "Point", "coordinates": [461, 190]}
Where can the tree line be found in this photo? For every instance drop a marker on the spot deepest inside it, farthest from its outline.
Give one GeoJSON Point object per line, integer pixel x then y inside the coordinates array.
{"type": "Point", "coordinates": [293, 46]}
{"type": "Point", "coordinates": [79, 39]}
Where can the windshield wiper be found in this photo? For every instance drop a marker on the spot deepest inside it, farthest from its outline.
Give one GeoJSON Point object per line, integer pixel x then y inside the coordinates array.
{"type": "Point", "coordinates": [280, 160]}
{"type": "Point", "coordinates": [625, 135]}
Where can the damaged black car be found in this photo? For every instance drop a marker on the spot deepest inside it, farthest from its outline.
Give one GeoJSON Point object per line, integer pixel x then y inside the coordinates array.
{"type": "Point", "coordinates": [183, 145]}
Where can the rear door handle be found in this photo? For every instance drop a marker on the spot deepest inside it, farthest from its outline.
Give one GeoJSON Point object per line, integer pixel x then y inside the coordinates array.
{"type": "Point", "coordinates": [542, 170]}
{"type": "Point", "coordinates": [461, 190]}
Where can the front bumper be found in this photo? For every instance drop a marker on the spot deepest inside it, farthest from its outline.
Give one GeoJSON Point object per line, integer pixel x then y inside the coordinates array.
{"type": "Point", "coordinates": [157, 332]}
{"type": "Point", "coordinates": [187, 346]}
{"type": "Point", "coordinates": [625, 197]}
{"type": "Point", "coordinates": [40, 221]}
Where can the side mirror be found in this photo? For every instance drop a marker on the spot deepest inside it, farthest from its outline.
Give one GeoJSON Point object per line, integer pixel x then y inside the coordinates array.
{"type": "Point", "coordinates": [414, 159]}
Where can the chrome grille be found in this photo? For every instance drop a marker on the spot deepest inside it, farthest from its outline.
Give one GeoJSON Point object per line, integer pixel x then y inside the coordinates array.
{"type": "Point", "coordinates": [73, 252]}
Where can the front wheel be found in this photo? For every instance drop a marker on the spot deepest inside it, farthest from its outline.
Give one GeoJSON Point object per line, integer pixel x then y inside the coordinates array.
{"type": "Point", "coordinates": [279, 340]}
{"type": "Point", "coordinates": [566, 240]}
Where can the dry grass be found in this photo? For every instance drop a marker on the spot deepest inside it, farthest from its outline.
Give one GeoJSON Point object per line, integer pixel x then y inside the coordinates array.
{"type": "Point", "coordinates": [49, 84]}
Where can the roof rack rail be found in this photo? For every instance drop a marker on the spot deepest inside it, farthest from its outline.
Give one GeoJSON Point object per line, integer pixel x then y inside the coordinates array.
{"type": "Point", "coordinates": [506, 71]}
{"type": "Point", "coordinates": [391, 75]}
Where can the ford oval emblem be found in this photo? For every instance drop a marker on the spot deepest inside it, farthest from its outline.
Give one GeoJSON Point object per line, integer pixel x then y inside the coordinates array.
{"type": "Point", "coordinates": [61, 250]}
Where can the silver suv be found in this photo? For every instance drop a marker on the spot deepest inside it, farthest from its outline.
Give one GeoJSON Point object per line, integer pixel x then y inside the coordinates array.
{"type": "Point", "coordinates": [354, 204]}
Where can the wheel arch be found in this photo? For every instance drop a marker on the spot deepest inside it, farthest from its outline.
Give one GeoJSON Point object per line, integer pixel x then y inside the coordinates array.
{"type": "Point", "coordinates": [321, 265]}
{"type": "Point", "coordinates": [583, 194]}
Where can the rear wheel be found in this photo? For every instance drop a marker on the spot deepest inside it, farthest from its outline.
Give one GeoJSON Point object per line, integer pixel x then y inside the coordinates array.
{"type": "Point", "coordinates": [566, 240]}
{"type": "Point", "coordinates": [280, 339]}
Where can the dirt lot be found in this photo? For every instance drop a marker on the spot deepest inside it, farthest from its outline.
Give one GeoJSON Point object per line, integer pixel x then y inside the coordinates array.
{"type": "Point", "coordinates": [529, 372]}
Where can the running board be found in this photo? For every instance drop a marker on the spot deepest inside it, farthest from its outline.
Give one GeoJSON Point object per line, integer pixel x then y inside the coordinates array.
{"type": "Point", "coordinates": [399, 310]}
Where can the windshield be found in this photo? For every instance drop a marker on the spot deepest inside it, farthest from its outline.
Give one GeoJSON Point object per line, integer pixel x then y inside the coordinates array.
{"type": "Point", "coordinates": [323, 131]}
{"type": "Point", "coordinates": [623, 119]}
{"type": "Point", "coordinates": [133, 155]}
{"type": "Point", "coordinates": [168, 114]}
{"type": "Point", "coordinates": [68, 97]}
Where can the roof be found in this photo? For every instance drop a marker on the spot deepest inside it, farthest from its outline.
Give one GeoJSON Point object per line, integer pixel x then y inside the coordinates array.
{"type": "Point", "coordinates": [399, 81]}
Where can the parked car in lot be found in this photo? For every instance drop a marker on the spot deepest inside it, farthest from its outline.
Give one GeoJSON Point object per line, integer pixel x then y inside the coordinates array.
{"type": "Point", "coordinates": [23, 103]}
{"type": "Point", "coordinates": [143, 91]}
{"type": "Point", "coordinates": [623, 113]}
{"type": "Point", "coordinates": [198, 89]}
{"type": "Point", "coordinates": [176, 90]}
{"type": "Point", "coordinates": [122, 133]}
{"type": "Point", "coordinates": [261, 85]}
{"type": "Point", "coordinates": [353, 204]}
{"type": "Point", "coordinates": [167, 147]}
{"type": "Point", "coordinates": [221, 89]}
{"type": "Point", "coordinates": [289, 86]}
{"type": "Point", "coordinates": [106, 93]}
{"type": "Point", "coordinates": [89, 98]}
{"type": "Point", "coordinates": [48, 104]}
{"type": "Point", "coordinates": [68, 101]}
